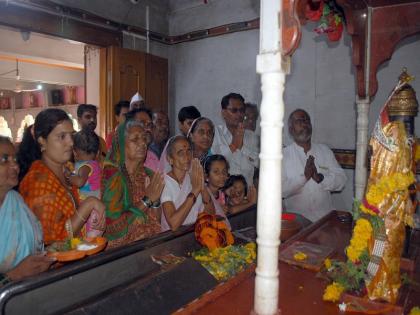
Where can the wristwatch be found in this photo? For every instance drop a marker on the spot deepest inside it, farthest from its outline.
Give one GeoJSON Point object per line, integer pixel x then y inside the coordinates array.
{"type": "Point", "coordinates": [4, 279]}
{"type": "Point", "coordinates": [191, 194]}
{"type": "Point", "coordinates": [156, 204]}
{"type": "Point", "coordinates": [320, 178]}
{"type": "Point", "coordinates": [147, 202]}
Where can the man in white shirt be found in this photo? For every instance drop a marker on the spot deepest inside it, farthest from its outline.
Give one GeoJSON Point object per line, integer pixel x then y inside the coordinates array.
{"type": "Point", "coordinates": [239, 146]}
{"type": "Point", "coordinates": [310, 171]}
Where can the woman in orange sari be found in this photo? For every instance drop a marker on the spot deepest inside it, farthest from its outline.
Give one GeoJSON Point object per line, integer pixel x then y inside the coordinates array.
{"type": "Point", "coordinates": [45, 187]}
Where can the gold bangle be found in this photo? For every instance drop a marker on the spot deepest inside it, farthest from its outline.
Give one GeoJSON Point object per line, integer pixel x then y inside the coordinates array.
{"type": "Point", "coordinates": [80, 217]}
{"type": "Point", "coordinates": [69, 228]}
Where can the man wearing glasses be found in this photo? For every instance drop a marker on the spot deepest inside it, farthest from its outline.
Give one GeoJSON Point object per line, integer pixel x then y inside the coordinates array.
{"type": "Point", "coordinates": [231, 139]}
{"type": "Point", "coordinates": [310, 171]}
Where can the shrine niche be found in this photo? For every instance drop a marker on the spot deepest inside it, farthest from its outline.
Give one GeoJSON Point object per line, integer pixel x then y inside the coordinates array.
{"type": "Point", "coordinates": [25, 123]}
{"type": "Point", "coordinates": [4, 128]}
{"type": "Point", "coordinates": [375, 27]}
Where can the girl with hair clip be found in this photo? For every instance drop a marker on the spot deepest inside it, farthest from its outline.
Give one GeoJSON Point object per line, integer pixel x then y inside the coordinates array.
{"type": "Point", "coordinates": [239, 197]}
{"type": "Point", "coordinates": [201, 136]}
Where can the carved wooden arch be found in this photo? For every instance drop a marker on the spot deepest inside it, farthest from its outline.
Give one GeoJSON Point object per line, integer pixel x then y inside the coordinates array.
{"type": "Point", "coordinates": [391, 22]}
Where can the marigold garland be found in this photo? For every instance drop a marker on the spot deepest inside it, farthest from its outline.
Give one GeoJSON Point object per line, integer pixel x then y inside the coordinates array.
{"type": "Point", "coordinates": [359, 242]}
{"type": "Point", "coordinates": [333, 292]}
{"type": "Point", "coordinates": [386, 185]}
{"type": "Point", "coordinates": [211, 231]}
{"type": "Point", "coordinates": [327, 263]}
{"type": "Point", "coordinates": [225, 262]}
{"type": "Point", "coordinates": [415, 311]}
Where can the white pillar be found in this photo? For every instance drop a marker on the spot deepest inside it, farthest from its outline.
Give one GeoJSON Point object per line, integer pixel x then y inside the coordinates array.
{"type": "Point", "coordinates": [361, 146]}
{"type": "Point", "coordinates": [269, 201]}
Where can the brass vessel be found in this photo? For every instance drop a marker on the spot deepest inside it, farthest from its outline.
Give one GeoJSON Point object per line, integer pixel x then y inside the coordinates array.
{"type": "Point", "coordinates": [404, 101]}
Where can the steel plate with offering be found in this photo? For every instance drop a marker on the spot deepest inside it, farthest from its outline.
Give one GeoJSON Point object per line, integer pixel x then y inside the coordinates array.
{"type": "Point", "coordinates": [76, 248]}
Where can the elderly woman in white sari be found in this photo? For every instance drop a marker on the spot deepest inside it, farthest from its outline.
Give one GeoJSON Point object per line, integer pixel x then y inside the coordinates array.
{"type": "Point", "coordinates": [21, 233]}
{"type": "Point", "coordinates": [201, 135]}
{"type": "Point", "coordinates": [184, 192]}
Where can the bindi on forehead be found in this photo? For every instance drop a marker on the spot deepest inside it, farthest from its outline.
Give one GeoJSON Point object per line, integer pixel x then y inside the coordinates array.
{"type": "Point", "coordinates": [183, 145]}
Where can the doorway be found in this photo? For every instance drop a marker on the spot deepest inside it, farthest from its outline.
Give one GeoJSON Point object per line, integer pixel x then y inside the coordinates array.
{"type": "Point", "coordinates": [39, 71]}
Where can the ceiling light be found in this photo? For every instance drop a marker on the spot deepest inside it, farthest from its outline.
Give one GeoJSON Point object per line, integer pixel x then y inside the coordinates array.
{"type": "Point", "coordinates": [25, 35]}
{"type": "Point", "coordinates": [39, 87]}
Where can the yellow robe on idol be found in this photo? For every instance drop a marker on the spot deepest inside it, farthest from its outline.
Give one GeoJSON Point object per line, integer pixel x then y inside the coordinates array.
{"type": "Point", "coordinates": [395, 209]}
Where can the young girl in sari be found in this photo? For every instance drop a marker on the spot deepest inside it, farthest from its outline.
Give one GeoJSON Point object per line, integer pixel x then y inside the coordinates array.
{"type": "Point", "coordinates": [216, 169]}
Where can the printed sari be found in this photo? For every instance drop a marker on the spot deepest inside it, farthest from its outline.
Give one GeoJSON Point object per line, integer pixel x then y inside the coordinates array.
{"type": "Point", "coordinates": [20, 230]}
{"type": "Point", "coordinates": [122, 194]}
{"type": "Point", "coordinates": [52, 203]}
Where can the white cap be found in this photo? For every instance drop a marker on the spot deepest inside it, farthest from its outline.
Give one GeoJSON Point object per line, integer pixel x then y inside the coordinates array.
{"type": "Point", "coordinates": [136, 98]}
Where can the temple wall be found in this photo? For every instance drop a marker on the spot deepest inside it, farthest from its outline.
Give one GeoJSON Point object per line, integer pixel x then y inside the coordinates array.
{"type": "Point", "coordinates": [322, 79]}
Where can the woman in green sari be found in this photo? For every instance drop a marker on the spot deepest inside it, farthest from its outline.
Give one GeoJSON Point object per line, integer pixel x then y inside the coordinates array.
{"type": "Point", "coordinates": [130, 191]}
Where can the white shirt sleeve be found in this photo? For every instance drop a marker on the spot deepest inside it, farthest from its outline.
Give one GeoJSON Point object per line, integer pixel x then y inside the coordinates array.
{"type": "Point", "coordinates": [293, 178]}
{"type": "Point", "coordinates": [220, 145]}
{"type": "Point", "coordinates": [334, 176]}
{"type": "Point", "coordinates": [167, 193]}
{"type": "Point", "coordinates": [250, 148]}
{"type": "Point", "coordinates": [242, 161]}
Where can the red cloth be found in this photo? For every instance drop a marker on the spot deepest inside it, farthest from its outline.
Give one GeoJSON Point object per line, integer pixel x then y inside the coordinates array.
{"type": "Point", "coordinates": [108, 140]}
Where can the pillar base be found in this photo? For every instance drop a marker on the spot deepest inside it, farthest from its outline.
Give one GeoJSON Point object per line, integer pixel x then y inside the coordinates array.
{"type": "Point", "coordinates": [254, 313]}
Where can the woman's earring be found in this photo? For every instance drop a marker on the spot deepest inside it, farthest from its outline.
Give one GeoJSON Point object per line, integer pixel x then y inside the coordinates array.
{"type": "Point", "coordinates": [42, 148]}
